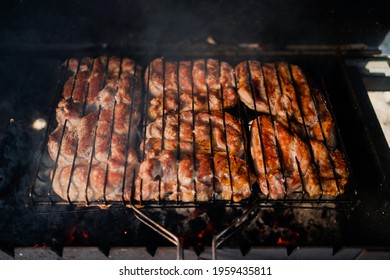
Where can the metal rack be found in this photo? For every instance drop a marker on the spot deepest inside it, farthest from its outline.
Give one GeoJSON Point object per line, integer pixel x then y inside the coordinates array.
{"type": "Point", "coordinates": [41, 192]}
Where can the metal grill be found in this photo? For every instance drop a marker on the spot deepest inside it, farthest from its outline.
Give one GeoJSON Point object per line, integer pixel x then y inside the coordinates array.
{"type": "Point", "coordinates": [42, 190]}
{"type": "Point", "coordinates": [300, 196]}
{"type": "Point", "coordinates": [215, 196]}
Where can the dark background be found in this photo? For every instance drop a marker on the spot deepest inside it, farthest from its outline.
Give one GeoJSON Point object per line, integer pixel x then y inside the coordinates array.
{"type": "Point", "coordinates": [118, 23]}
{"type": "Point", "coordinates": [56, 30]}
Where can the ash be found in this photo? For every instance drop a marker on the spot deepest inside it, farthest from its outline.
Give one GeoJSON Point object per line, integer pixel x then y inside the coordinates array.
{"type": "Point", "coordinates": [293, 227]}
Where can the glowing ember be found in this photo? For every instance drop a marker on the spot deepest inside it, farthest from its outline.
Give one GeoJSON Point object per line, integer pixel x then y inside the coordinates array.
{"type": "Point", "coordinates": [76, 233]}
{"type": "Point", "coordinates": [208, 229]}
{"type": "Point", "coordinates": [290, 239]}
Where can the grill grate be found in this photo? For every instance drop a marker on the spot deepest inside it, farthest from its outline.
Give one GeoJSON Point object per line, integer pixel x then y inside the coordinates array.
{"type": "Point", "coordinates": [298, 196]}
{"type": "Point", "coordinates": [42, 191]}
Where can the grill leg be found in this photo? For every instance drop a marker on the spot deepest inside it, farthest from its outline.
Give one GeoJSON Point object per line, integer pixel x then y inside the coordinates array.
{"type": "Point", "coordinates": [160, 230]}
{"type": "Point", "coordinates": [233, 228]}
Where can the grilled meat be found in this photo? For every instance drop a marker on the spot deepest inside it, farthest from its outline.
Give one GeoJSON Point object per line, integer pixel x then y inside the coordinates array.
{"type": "Point", "coordinates": [96, 80]}
{"type": "Point", "coordinates": [76, 87]}
{"type": "Point", "coordinates": [224, 129]}
{"type": "Point", "coordinates": [96, 182]}
{"type": "Point", "coordinates": [284, 162]}
{"type": "Point", "coordinates": [331, 167]}
{"type": "Point", "coordinates": [96, 129]}
{"type": "Point", "coordinates": [193, 150]}
{"type": "Point", "coordinates": [315, 113]}
{"type": "Point", "coordinates": [200, 85]}
{"type": "Point", "coordinates": [70, 111]}
{"type": "Point", "coordinates": [276, 153]}
{"type": "Point", "coordinates": [234, 180]}
{"type": "Point", "coordinates": [62, 145]}
{"type": "Point", "coordinates": [251, 86]}
{"type": "Point", "coordinates": [283, 91]}
{"type": "Point", "coordinates": [171, 102]}
{"type": "Point", "coordinates": [165, 177]}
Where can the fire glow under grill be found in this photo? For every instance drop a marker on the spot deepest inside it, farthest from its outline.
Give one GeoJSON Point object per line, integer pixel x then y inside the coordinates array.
{"type": "Point", "coordinates": [106, 87]}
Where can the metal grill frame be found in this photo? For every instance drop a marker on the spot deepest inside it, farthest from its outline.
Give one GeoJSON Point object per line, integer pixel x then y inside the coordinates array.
{"type": "Point", "coordinates": [239, 110]}
{"type": "Point", "coordinates": [252, 205]}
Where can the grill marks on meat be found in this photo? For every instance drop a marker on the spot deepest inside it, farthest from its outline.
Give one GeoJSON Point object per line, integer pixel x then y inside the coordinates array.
{"type": "Point", "coordinates": [233, 177]}
{"type": "Point", "coordinates": [86, 183]}
{"type": "Point", "coordinates": [97, 122]}
{"type": "Point", "coordinates": [187, 157]}
{"type": "Point", "coordinates": [197, 76]}
{"type": "Point", "coordinates": [191, 177]}
{"type": "Point", "coordinates": [293, 146]}
{"type": "Point", "coordinates": [199, 85]}
{"type": "Point", "coordinates": [251, 86]}
{"type": "Point", "coordinates": [285, 163]}
{"type": "Point", "coordinates": [193, 150]}
{"type": "Point", "coordinates": [224, 128]}
{"type": "Point", "coordinates": [276, 153]}
{"type": "Point", "coordinates": [314, 110]}
{"type": "Point", "coordinates": [282, 90]}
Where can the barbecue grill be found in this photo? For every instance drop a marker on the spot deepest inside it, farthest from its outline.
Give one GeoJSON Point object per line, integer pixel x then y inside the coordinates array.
{"type": "Point", "coordinates": [34, 79]}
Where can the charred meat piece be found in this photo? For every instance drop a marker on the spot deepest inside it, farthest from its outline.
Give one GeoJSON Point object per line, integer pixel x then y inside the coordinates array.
{"type": "Point", "coordinates": [167, 178]}
{"type": "Point", "coordinates": [332, 169]}
{"type": "Point", "coordinates": [97, 122]}
{"type": "Point", "coordinates": [251, 86]}
{"type": "Point", "coordinates": [314, 110]}
{"type": "Point", "coordinates": [282, 90]}
{"type": "Point", "coordinates": [279, 157]}
{"type": "Point", "coordinates": [199, 85]}
{"type": "Point", "coordinates": [284, 162]}
{"type": "Point", "coordinates": [220, 131]}
{"type": "Point", "coordinates": [171, 102]}
{"type": "Point", "coordinates": [234, 180]}
{"type": "Point", "coordinates": [98, 182]}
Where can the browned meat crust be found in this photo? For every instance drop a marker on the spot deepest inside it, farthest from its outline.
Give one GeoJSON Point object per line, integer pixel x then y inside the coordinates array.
{"type": "Point", "coordinates": [282, 90]}
{"type": "Point", "coordinates": [97, 122]}
{"type": "Point", "coordinates": [221, 131]}
{"type": "Point", "coordinates": [284, 162]}
{"type": "Point", "coordinates": [166, 177]}
{"type": "Point", "coordinates": [199, 85]}
{"type": "Point", "coordinates": [99, 182]}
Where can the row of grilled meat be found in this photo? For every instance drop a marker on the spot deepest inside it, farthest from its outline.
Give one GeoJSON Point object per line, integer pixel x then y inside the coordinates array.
{"type": "Point", "coordinates": [189, 147]}
{"type": "Point", "coordinates": [98, 117]}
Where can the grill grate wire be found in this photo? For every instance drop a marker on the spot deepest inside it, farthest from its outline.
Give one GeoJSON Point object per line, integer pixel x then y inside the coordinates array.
{"type": "Point", "coordinates": [42, 190]}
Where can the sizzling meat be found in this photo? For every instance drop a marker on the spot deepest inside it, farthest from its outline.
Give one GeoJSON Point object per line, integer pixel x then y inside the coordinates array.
{"type": "Point", "coordinates": [180, 164]}
{"type": "Point", "coordinates": [165, 177]}
{"type": "Point", "coordinates": [200, 85]}
{"type": "Point", "coordinates": [224, 129]}
{"type": "Point", "coordinates": [97, 122]}
{"type": "Point", "coordinates": [283, 91]}
{"type": "Point", "coordinates": [284, 162]}
{"type": "Point", "coordinates": [276, 154]}
{"type": "Point", "coordinates": [100, 181]}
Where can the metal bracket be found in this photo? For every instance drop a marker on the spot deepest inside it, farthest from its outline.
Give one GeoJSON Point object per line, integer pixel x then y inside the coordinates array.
{"type": "Point", "coordinates": [234, 228]}
{"type": "Point", "coordinates": [160, 230]}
